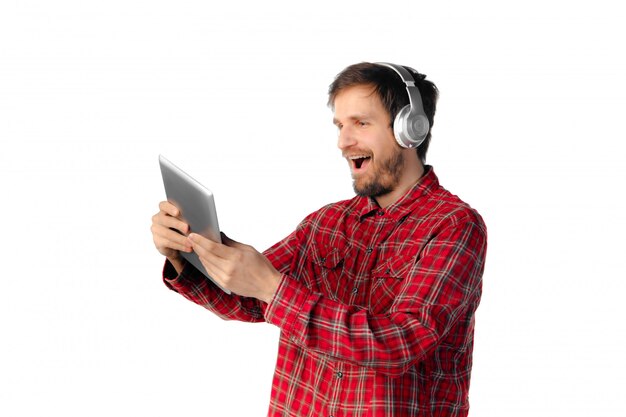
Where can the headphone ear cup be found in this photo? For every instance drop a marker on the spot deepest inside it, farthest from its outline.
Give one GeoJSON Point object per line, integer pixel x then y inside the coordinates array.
{"type": "Point", "coordinates": [398, 127]}
{"type": "Point", "coordinates": [418, 128]}
{"type": "Point", "coordinates": [410, 130]}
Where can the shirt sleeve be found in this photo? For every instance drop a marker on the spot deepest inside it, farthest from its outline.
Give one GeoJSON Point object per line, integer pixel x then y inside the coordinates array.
{"type": "Point", "coordinates": [194, 286]}
{"type": "Point", "coordinates": [444, 282]}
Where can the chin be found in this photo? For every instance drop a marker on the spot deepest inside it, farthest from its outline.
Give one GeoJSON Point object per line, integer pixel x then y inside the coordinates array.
{"type": "Point", "coordinates": [372, 189]}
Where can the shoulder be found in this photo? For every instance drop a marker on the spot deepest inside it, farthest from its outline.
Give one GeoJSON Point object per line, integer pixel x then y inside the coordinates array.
{"type": "Point", "coordinates": [444, 209]}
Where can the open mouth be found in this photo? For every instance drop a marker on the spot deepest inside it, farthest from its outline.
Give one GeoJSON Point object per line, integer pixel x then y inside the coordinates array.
{"type": "Point", "coordinates": [359, 162]}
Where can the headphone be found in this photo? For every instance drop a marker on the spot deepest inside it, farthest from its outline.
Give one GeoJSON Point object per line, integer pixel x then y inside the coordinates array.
{"type": "Point", "coordinates": [411, 125]}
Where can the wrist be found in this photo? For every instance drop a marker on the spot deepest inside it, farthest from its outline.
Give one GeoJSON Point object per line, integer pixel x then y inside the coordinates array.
{"type": "Point", "coordinates": [178, 262]}
{"type": "Point", "coordinates": [272, 287]}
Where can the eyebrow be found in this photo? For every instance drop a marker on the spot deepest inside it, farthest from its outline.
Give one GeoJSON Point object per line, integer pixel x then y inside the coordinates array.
{"type": "Point", "coordinates": [359, 116]}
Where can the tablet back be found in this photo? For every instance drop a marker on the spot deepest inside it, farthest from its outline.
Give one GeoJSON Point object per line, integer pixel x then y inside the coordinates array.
{"type": "Point", "coordinates": [196, 204]}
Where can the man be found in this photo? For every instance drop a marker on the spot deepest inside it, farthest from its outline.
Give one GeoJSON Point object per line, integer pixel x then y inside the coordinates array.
{"type": "Point", "coordinates": [375, 296]}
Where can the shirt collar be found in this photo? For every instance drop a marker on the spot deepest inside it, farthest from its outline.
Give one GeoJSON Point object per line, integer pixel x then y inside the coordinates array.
{"type": "Point", "coordinates": [367, 206]}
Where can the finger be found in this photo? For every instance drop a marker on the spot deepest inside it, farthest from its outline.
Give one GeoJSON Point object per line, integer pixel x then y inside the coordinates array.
{"type": "Point", "coordinates": [169, 244]}
{"type": "Point", "coordinates": [167, 238]}
{"type": "Point", "coordinates": [215, 265]}
{"type": "Point", "coordinates": [169, 208]}
{"type": "Point", "coordinates": [171, 222]}
{"type": "Point", "coordinates": [165, 245]}
{"type": "Point", "coordinates": [177, 226]}
{"type": "Point", "coordinates": [214, 272]}
{"type": "Point", "coordinates": [214, 248]}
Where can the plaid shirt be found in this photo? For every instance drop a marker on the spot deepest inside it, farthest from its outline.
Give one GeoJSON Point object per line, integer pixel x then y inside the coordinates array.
{"type": "Point", "coordinates": [376, 306]}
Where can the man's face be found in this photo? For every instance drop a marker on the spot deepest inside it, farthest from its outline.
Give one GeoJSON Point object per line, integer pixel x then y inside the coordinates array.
{"type": "Point", "coordinates": [366, 141]}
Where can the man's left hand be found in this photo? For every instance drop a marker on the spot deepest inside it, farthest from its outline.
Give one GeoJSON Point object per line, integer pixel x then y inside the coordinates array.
{"type": "Point", "coordinates": [237, 267]}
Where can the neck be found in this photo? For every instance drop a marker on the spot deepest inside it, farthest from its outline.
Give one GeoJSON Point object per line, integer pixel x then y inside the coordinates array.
{"type": "Point", "coordinates": [413, 171]}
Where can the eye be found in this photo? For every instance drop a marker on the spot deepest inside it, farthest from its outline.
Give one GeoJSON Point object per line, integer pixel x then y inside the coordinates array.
{"type": "Point", "coordinates": [361, 123]}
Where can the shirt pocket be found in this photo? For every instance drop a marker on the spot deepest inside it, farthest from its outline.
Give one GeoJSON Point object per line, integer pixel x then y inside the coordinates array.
{"type": "Point", "coordinates": [387, 281]}
{"type": "Point", "coordinates": [328, 270]}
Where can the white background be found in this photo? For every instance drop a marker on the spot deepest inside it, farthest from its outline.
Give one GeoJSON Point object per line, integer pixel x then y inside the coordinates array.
{"type": "Point", "coordinates": [529, 130]}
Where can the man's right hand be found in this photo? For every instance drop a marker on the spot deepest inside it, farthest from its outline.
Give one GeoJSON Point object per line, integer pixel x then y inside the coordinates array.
{"type": "Point", "coordinates": [169, 234]}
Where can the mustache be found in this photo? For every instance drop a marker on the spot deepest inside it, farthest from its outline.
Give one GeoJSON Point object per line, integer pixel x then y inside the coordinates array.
{"type": "Point", "coordinates": [357, 152]}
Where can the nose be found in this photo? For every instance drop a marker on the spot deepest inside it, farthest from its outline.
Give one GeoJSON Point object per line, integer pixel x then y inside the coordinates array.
{"type": "Point", "coordinates": [346, 138]}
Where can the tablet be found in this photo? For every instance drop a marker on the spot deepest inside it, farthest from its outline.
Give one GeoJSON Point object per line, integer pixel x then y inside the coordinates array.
{"type": "Point", "coordinates": [197, 207]}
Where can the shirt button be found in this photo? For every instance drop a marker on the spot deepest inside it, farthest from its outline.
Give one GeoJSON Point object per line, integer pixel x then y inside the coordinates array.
{"type": "Point", "coordinates": [355, 290]}
{"type": "Point", "coordinates": [339, 374]}
{"type": "Point", "coordinates": [381, 213]}
{"type": "Point", "coordinates": [369, 250]}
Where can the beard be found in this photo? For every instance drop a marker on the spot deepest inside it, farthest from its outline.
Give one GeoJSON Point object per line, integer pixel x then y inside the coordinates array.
{"type": "Point", "coordinates": [382, 179]}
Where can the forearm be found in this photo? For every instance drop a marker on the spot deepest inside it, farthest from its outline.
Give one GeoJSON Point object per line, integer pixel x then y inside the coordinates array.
{"type": "Point", "coordinates": [194, 286]}
{"type": "Point", "coordinates": [388, 343]}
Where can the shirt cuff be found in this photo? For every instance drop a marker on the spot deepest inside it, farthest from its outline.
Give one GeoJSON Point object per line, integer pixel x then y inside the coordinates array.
{"type": "Point", "coordinates": [289, 306]}
{"type": "Point", "coordinates": [178, 282]}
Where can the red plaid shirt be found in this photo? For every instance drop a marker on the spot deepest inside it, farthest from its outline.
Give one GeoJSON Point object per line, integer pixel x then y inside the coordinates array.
{"type": "Point", "coordinates": [376, 306]}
